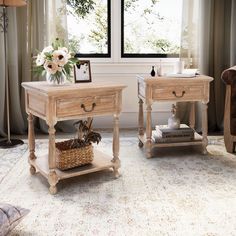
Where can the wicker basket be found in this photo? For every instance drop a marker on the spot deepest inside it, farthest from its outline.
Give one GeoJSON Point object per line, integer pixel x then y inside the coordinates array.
{"type": "Point", "coordinates": [67, 158]}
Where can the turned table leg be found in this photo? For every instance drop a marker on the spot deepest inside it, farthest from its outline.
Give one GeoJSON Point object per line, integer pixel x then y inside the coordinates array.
{"type": "Point", "coordinates": [192, 116]}
{"type": "Point", "coordinates": [204, 128]}
{"type": "Point", "coordinates": [116, 145]}
{"type": "Point", "coordinates": [52, 177]}
{"type": "Point", "coordinates": [31, 138]}
{"type": "Point", "coordinates": [140, 122]}
{"type": "Point", "coordinates": [148, 144]}
{"type": "Point", "coordinates": [53, 180]}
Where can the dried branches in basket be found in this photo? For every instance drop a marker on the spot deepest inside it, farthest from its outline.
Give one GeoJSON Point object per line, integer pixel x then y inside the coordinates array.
{"type": "Point", "coordinates": [85, 136]}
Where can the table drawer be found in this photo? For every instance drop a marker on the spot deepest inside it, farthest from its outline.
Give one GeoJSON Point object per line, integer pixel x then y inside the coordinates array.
{"type": "Point", "coordinates": [178, 93]}
{"type": "Point", "coordinates": [90, 105]}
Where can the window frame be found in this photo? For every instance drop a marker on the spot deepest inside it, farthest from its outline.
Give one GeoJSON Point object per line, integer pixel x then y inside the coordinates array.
{"type": "Point", "coordinates": [100, 55]}
{"type": "Point", "coordinates": [138, 55]}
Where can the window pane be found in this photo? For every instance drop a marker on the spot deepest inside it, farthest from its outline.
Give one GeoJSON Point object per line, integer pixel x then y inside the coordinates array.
{"type": "Point", "coordinates": [89, 27]}
{"type": "Point", "coordinates": [151, 27]}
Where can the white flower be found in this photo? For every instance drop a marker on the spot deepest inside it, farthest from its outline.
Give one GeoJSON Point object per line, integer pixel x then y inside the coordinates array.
{"type": "Point", "coordinates": [47, 49]}
{"type": "Point", "coordinates": [40, 60]}
{"type": "Point", "coordinates": [64, 49]}
{"type": "Point", "coordinates": [60, 57]}
{"type": "Point", "coordinates": [68, 56]}
{"type": "Point", "coordinates": [51, 67]}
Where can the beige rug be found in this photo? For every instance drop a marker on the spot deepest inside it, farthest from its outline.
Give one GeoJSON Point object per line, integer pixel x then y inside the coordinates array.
{"type": "Point", "coordinates": [179, 192]}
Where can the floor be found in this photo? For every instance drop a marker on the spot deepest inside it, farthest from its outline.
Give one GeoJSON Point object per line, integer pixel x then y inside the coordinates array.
{"type": "Point", "coordinates": [178, 192]}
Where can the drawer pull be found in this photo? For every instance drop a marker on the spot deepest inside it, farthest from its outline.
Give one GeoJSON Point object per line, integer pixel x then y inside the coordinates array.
{"type": "Point", "coordinates": [179, 96]}
{"type": "Point", "coordinates": [86, 110]}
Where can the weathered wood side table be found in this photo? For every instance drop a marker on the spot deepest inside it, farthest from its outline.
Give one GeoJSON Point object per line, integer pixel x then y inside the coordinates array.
{"type": "Point", "coordinates": [66, 102]}
{"type": "Point", "coordinates": [169, 89]}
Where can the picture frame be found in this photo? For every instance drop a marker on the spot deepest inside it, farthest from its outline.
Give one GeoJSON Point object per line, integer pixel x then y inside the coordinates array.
{"type": "Point", "coordinates": [82, 72]}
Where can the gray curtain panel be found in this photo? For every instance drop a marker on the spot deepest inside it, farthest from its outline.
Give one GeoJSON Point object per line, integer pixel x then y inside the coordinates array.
{"type": "Point", "coordinates": [14, 62]}
{"type": "Point", "coordinates": [210, 47]}
{"type": "Point", "coordinates": [25, 33]}
{"type": "Point", "coordinates": [217, 52]}
{"type": "Point", "coordinates": [2, 86]}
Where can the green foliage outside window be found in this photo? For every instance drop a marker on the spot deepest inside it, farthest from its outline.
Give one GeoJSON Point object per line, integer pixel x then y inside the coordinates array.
{"type": "Point", "coordinates": [81, 7]}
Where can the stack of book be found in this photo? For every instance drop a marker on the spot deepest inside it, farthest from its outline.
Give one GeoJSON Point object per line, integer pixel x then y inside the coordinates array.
{"type": "Point", "coordinates": [166, 135]}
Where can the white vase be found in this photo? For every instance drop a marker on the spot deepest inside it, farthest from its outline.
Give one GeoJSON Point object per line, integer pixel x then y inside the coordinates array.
{"type": "Point", "coordinates": [173, 122]}
{"type": "Point", "coordinates": [54, 80]}
{"type": "Point", "coordinates": [179, 67]}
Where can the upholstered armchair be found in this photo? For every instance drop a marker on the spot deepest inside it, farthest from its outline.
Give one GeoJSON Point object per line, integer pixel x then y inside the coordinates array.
{"type": "Point", "coordinates": [229, 78]}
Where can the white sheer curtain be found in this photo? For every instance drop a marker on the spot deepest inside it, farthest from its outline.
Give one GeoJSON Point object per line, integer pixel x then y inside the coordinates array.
{"type": "Point", "coordinates": [189, 51]}
{"type": "Point", "coordinates": [34, 36]}
{"type": "Point", "coordinates": [56, 20]}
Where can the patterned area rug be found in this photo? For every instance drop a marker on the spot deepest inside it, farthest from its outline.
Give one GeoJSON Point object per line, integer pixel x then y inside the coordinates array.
{"type": "Point", "coordinates": [179, 192]}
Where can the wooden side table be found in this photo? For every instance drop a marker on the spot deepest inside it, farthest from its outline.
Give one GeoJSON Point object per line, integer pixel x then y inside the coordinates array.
{"type": "Point", "coordinates": [73, 101]}
{"type": "Point", "coordinates": [164, 89]}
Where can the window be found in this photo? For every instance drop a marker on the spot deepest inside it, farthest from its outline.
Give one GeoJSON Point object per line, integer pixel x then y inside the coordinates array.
{"type": "Point", "coordinates": [150, 28]}
{"type": "Point", "coordinates": [89, 27]}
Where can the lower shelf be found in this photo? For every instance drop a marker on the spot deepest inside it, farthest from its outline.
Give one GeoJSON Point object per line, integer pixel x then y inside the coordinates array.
{"type": "Point", "coordinates": [197, 141]}
{"type": "Point", "coordinates": [101, 161]}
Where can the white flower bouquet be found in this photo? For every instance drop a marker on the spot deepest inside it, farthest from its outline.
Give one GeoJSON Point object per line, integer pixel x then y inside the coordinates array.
{"type": "Point", "coordinates": [56, 62]}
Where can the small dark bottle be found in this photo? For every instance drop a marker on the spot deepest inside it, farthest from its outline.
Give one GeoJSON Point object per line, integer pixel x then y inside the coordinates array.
{"type": "Point", "coordinates": [153, 73]}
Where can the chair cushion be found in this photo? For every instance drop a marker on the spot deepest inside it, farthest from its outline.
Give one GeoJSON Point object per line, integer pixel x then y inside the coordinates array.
{"type": "Point", "coordinates": [10, 216]}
